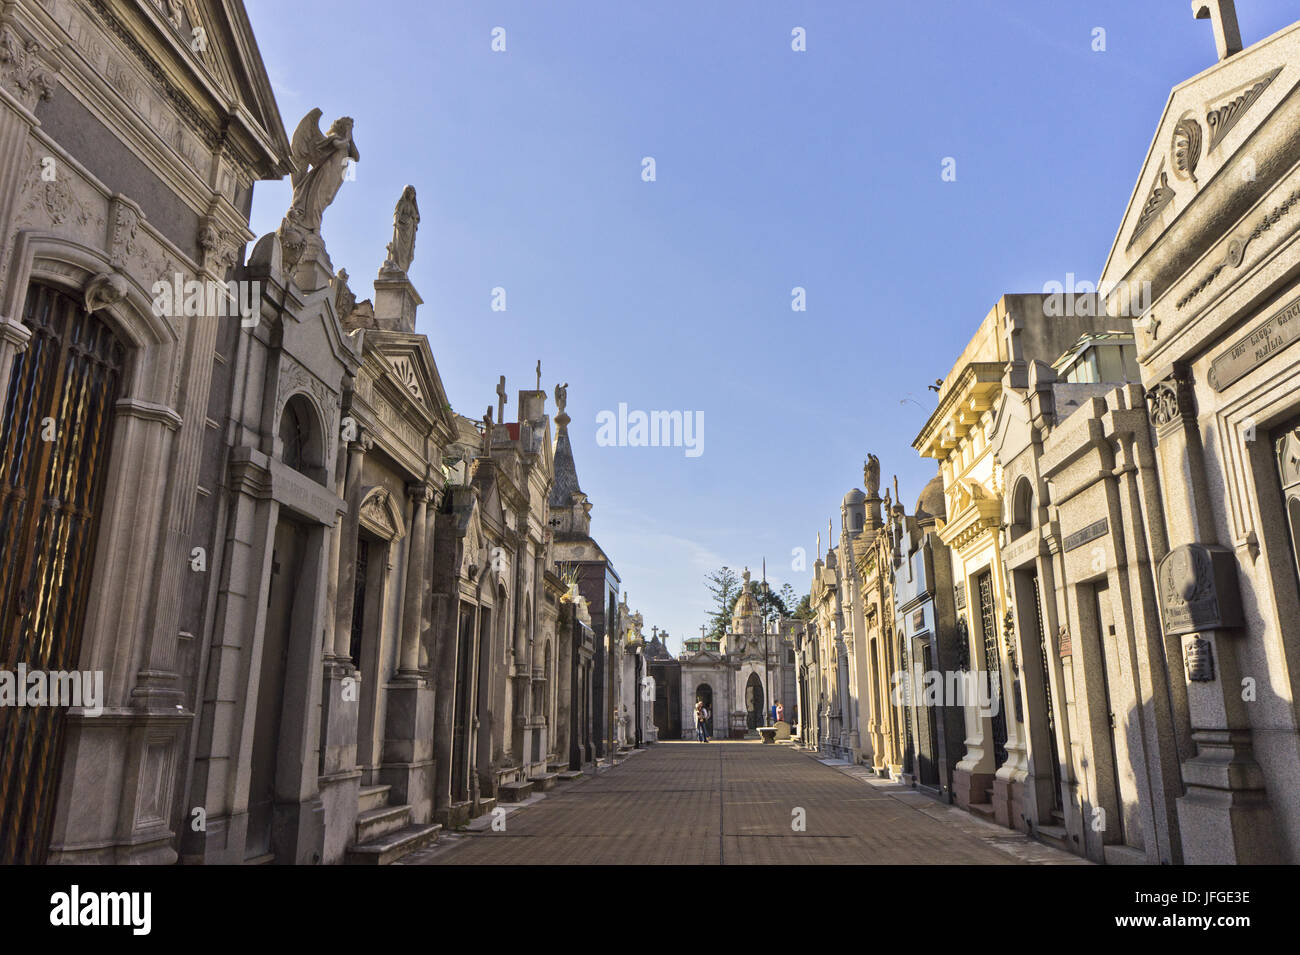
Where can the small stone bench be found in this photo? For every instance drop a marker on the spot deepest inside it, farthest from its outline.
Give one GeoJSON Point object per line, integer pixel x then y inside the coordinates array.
{"type": "Point", "coordinates": [544, 781]}
{"type": "Point", "coordinates": [515, 792]}
{"type": "Point", "coordinates": [768, 733]}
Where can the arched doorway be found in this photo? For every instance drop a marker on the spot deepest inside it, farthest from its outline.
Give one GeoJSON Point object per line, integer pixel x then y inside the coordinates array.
{"type": "Point", "coordinates": [754, 702]}
{"type": "Point", "coordinates": [55, 437]}
{"type": "Point", "coordinates": [704, 694]}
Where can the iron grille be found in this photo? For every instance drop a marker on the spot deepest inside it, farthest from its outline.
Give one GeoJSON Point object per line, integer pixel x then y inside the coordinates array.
{"type": "Point", "coordinates": [54, 445]}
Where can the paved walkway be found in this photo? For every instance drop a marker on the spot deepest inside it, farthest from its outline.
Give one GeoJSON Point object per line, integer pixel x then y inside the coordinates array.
{"type": "Point", "coordinates": [734, 803]}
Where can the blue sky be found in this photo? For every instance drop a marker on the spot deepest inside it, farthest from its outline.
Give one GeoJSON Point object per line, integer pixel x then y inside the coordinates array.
{"type": "Point", "coordinates": [774, 169]}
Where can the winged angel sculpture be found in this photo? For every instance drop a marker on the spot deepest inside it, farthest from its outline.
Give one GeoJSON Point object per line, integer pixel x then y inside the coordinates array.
{"type": "Point", "coordinates": [320, 164]}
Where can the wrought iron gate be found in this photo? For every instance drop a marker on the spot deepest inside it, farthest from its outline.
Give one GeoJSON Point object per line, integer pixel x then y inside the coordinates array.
{"type": "Point", "coordinates": [993, 664]}
{"type": "Point", "coordinates": [1046, 660]}
{"type": "Point", "coordinates": [54, 445]}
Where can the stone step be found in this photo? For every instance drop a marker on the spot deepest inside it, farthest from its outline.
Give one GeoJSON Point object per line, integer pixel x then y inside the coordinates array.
{"type": "Point", "coordinates": [388, 848]}
{"type": "Point", "coordinates": [514, 792]}
{"type": "Point", "coordinates": [486, 804]}
{"type": "Point", "coordinates": [374, 823]}
{"type": "Point", "coordinates": [264, 859]}
{"type": "Point", "coordinates": [984, 810]}
{"type": "Point", "coordinates": [568, 775]}
{"type": "Point", "coordinates": [372, 797]}
{"type": "Point", "coordinates": [1055, 836]}
{"type": "Point", "coordinates": [544, 781]}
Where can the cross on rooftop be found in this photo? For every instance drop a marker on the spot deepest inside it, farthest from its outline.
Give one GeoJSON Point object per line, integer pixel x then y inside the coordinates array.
{"type": "Point", "coordinates": [1222, 15]}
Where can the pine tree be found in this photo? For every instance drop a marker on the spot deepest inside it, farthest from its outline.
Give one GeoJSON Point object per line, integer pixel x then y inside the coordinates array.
{"type": "Point", "coordinates": [724, 585]}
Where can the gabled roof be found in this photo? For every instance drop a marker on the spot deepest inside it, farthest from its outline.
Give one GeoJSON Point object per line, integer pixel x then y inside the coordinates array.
{"type": "Point", "coordinates": [1205, 168]}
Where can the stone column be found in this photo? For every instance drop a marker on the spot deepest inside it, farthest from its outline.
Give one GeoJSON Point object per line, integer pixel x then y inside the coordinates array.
{"type": "Point", "coordinates": [408, 764]}
{"type": "Point", "coordinates": [1225, 816]}
{"type": "Point", "coordinates": [413, 593]}
{"type": "Point", "coordinates": [347, 557]}
{"type": "Point", "coordinates": [340, 711]}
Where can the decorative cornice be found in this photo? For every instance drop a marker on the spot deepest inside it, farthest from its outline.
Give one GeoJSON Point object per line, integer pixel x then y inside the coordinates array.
{"type": "Point", "coordinates": [1236, 252]}
{"type": "Point", "coordinates": [178, 99]}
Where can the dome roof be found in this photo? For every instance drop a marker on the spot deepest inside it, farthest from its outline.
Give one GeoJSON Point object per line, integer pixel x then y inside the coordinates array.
{"type": "Point", "coordinates": [854, 498]}
{"type": "Point", "coordinates": [931, 502]}
{"type": "Point", "coordinates": [744, 618]}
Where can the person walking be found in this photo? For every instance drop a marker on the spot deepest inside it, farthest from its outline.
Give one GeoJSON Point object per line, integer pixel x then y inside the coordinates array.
{"type": "Point", "coordinates": [699, 722]}
{"type": "Point", "coordinates": [780, 712]}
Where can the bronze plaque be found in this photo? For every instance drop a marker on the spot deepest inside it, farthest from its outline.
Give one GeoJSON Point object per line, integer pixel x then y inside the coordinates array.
{"type": "Point", "coordinates": [1198, 589]}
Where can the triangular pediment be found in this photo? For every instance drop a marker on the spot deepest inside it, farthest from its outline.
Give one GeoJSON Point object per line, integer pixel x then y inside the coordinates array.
{"type": "Point", "coordinates": [1206, 165]}
{"type": "Point", "coordinates": [702, 657]}
{"type": "Point", "coordinates": [1011, 433]}
{"type": "Point", "coordinates": [408, 361]}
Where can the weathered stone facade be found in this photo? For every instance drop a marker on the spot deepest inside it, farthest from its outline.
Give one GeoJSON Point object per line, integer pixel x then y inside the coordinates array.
{"type": "Point", "coordinates": [327, 608]}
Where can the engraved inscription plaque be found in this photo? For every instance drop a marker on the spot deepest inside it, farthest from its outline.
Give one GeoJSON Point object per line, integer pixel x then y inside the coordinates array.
{"type": "Point", "coordinates": [1198, 590]}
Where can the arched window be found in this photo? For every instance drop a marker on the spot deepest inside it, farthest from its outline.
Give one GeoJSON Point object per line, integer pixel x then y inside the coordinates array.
{"type": "Point", "coordinates": [1022, 509]}
{"type": "Point", "coordinates": [300, 438]}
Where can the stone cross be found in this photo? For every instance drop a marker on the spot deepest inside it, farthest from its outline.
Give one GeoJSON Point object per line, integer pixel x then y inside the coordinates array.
{"type": "Point", "coordinates": [501, 399]}
{"type": "Point", "coordinates": [1222, 15]}
{"type": "Point", "coordinates": [539, 374]}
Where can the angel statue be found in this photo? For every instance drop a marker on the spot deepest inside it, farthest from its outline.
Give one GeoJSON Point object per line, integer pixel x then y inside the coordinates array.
{"type": "Point", "coordinates": [406, 219]}
{"type": "Point", "coordinates": [320, 163]}
{"type": "Point", "coordinates": [871, 476]}
{"type": "Point", "coordinates": [561, 396]}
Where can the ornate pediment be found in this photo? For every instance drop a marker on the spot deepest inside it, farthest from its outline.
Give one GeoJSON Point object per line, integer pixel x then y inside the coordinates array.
{"type": "Point", "coordinates": [406, 374]}
{"type": "Point", "coordinates": [1208, 153]}
{"type": "Point", "coordinates": [406, 362]}
{"type": "Point", "coordinates": [381, 514]}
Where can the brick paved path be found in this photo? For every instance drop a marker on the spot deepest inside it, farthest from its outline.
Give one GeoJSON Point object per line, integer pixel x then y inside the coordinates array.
{"type": "Point", "coordinates": [731, 803]}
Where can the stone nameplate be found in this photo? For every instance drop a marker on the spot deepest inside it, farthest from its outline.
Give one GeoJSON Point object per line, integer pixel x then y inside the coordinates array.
{"type": "Point", "coordinates": [1198, 590]}
{"type": "Point", "coordinates": [1252, 350]}
{"type": "Point", "coordinates": [918, 619]}
{"type": "Point", "coordinates": [1021, 547]}
{"type": "Point", "coordinates": [1089, 533]}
